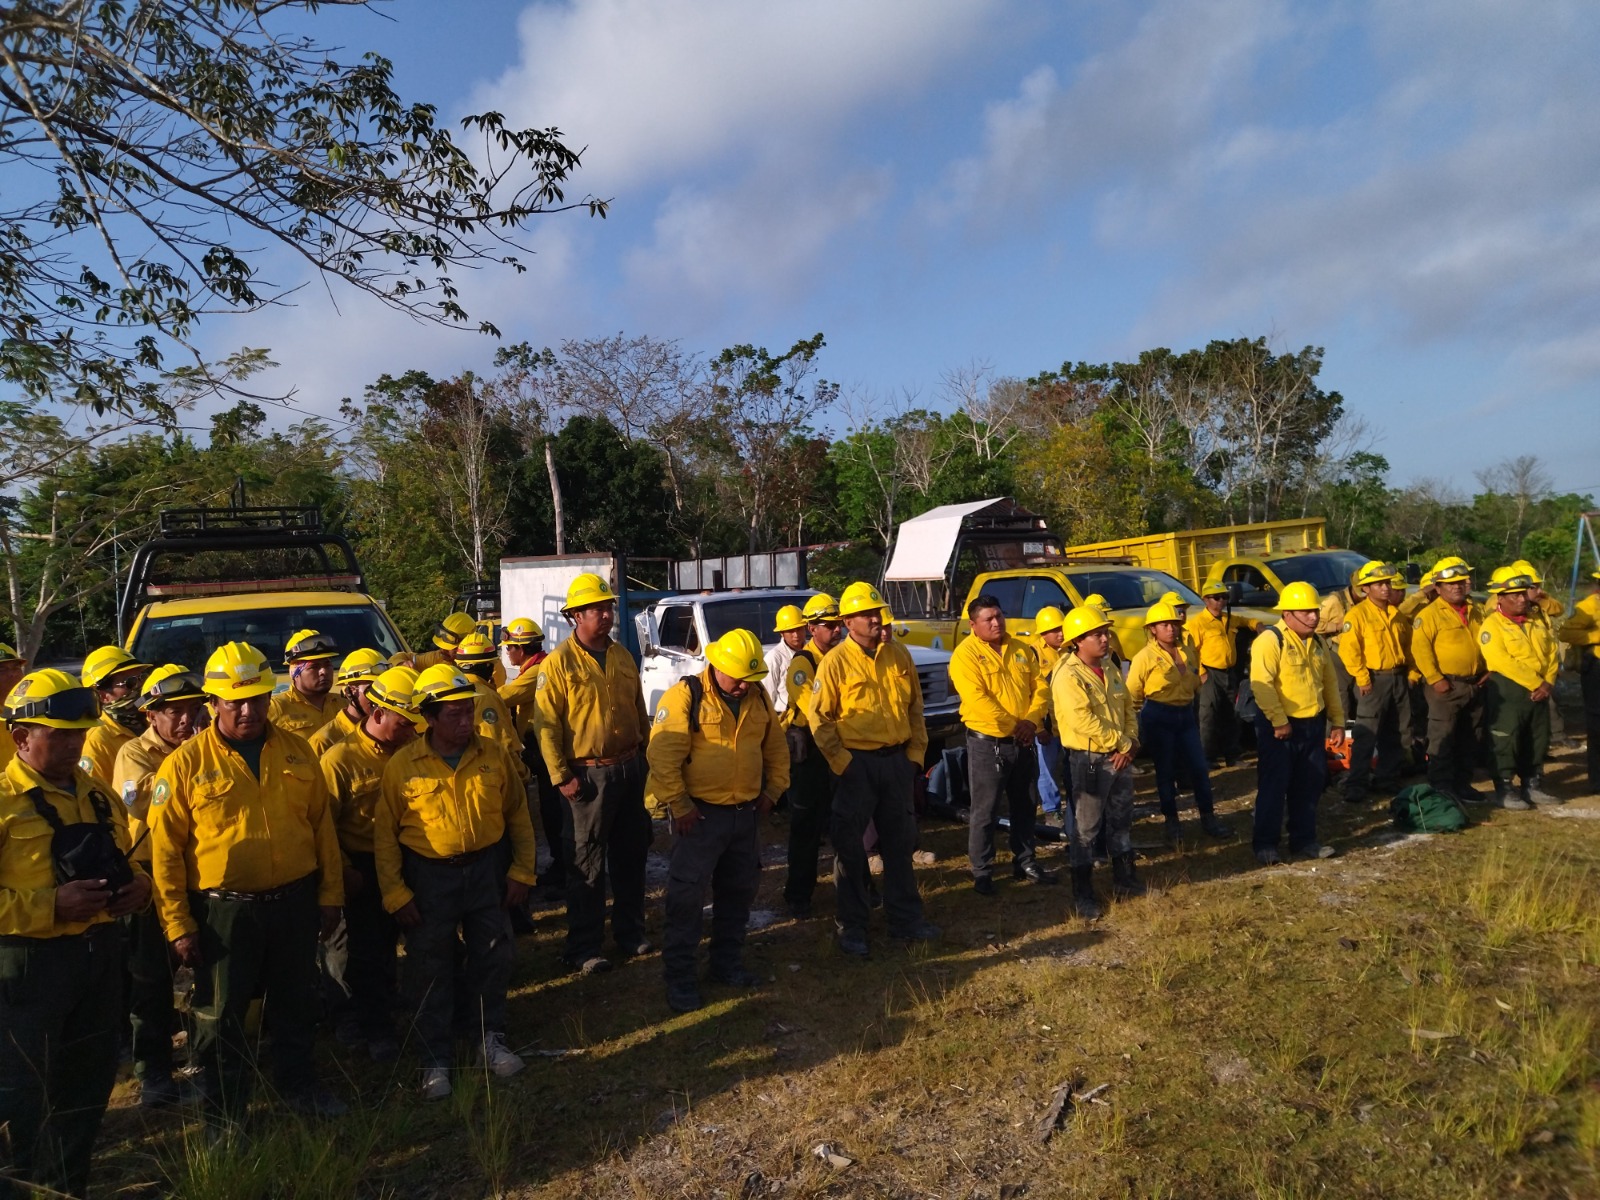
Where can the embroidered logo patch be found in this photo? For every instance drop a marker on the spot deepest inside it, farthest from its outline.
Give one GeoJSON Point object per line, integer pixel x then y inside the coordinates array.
{"type": "Point", "coordinates": [1484, 638]}
{"type": "Point", "coordinates": [800, 677]}
{"type": "Point", "coordinates": [538, 684]}
{"type": "Point", "coordinates": [661, 715]}
{"type": "Point", "coordinates": [130, 790]}
{"type": "Point", "coordinates": [159, 796]}
{"type": "Point", "coordinates": [491, 717]}
{"type": "Point", "coordinates": [1347, 626]}
{"type": "Point", "coordinates": [85, 765]}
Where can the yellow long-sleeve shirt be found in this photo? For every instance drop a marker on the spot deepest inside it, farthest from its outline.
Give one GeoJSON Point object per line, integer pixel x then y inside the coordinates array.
{"type": "Point", "coordinates": [336, 730]}
{"type": "Point", "coordinates": [730, 759]}
{"type": "Point", "coordinates": [867, 700]}
{"type": "Point", "coordinates": [586, 711]}
{"type": "Point", "coordinates": [8, 748]}
{"type": "Point", "coordinates": [133, 777]}
{"type": "Point", "coordinates": [802, 674]}
{"type": "Point", "coordinates": [1524, 653]}
{"type": "Point", "coordinates": [1582, 628]}
{"type": "Point", "coordinates": [1217, 638]}
{"type": "Point", "coordinates": [1093, 710]}
{"type": "Point", "coordinates": [213, 824]}
{"type": "Point", "coordinates": [433, 810]}
{"type": "Point", "coordinates": [293, 712]}
{"type": "Point", "coordinates": [1167, 677]}
{"type": "Point", "coordinates": [1444, 641]}
{"type": "Point", "coordinates": [1292, 676]}
{"type": "Point", "coordinates": [353, 769]}
{"type": "Point", "coordinates": [1418, 600]}
{"type": "Point", "coordinates": [999, 685]}
{"type": "Point", "coordinates": [521, 696]}
{"type": "Point", "coordinates": [1374, 639]}
{"type": "Point", "coordinates": [100, 746]}
{"type": "Point", "coordinates": [27, 870]}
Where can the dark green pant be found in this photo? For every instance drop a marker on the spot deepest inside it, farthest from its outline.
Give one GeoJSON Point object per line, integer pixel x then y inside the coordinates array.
{"type": "Point", "coordinates": [1519, 731]}
{"type": "Point", "coordinates": [810, 811]}
{"type": "Point", "coordinates": [60, 1014]}
{"type": "Point", "coordinates": [1382, 723]}
{"type": "Point", "coordinates": [877, 788]}
{"type": "Point", "coordinates": [1455, 727]}
{"type": "Point", "coordinates": [256, 947]}
{"type": "Point", "coordinates": [150, 1007]}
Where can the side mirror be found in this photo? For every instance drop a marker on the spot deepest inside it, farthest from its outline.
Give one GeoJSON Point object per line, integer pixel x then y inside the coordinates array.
{"type": "Point", "coordinates": [652, 651]}
{"type": "Point", "coordinates": [1235, 591]}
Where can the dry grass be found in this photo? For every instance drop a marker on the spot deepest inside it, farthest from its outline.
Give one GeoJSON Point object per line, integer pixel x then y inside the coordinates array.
{"type": "Point", "coordinates": [1408, 1020]}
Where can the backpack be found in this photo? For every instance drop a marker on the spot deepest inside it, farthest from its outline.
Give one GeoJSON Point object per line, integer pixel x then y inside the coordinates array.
{"type": "Point", "coordinates": [1423, 809]}
{"type": "Point", "coordinates": [697, 695]}
{"type": "Point", "coordinates": [1244, 700]}
{"type": "Point", "coordinates": [86, 849]}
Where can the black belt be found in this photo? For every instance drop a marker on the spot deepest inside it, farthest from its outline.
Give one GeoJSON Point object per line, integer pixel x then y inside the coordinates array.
{"type": "Point", "coordinates": [452, 860]}
{"type": "Point", "coordinates": [271, 896]}
{"type": "Point", "coordinates": [1387, 671]}
{"type": "Point", "coordinates": [1464, 678]}
{"type": "Point", "coordinates": [884, 751]}
{"type": "Point", "coordinates": [983, 737]}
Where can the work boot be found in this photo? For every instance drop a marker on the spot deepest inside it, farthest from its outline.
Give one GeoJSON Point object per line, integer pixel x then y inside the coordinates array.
{"type": "Point", "coordinates": [498, 1057]}
{"type": "Point", "coordinates": [922, 931]}
{"type": "Point", "coordinates": [593, 965]}
{"type": "Point", "coordinates": [1311, 851]}
{"type": "Point", "coordinates": [684, 997]}
{"type": "Point", "coordinates": [1172, 830]}
{"type": "Point", "coordinates": [1507, 798]}
{"type": "Point", "coordinates": [854, 943]}
{"type": "Point", "coordinates": [738, 976]}
{"type": "Point", "coordinates": [1084, 901]}
{"type": "Point", "coordinates": [634, 949]}
{"type": "Point", "coordinates": [1033, 873]}
{"type": "Point", "coordinates": [1536, 794]}
{"type": "Point", "coordinates": [800, 910]}
{"type": "Point", "coordinates": [983, 885]}
{"type": "Point", "coordinates": [1468, 794]}
{"type": "Point", "coordinates": [436, 1083]}
{"type": "Point", "coordinates": [1214, 827]}
{"type": "Point", "coordinates": [1268, 856]}
{"type": "Point", "coordinates": [1124, 880]}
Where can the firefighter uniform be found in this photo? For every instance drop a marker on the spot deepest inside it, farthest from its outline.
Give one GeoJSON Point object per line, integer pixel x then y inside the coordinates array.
{"type": "Point", "coordinates": [245, 858]}
{"type": "Point", "coordinates": [520, 693]}
{"type": "Point", "coordinates": [294, 713]}
{"type": "Point", "coordinates": [866, 719]}
{"type": "Point", "coordinates": [1374, 647]}
{"type": "Point", "coordinates": [1094, 714]}
{"type": "Point", "coordinates": [61, 988]}
{"type": "Point", "coordinates": [810, 782]}
{"type": "Point", "coordinates": [1216, 643]}
{"type": "Point", "coordinates": [1521, 657]}
{"type": "Point", "coordinates": [1445, 649]}
{"type": "Point", "coordinates": [100, 746]}
{"type": "Point", "coordinates": [593, 725]}
{"type": "Point", "coordinates": [1582, 629]}
{"type": "Point", "coordinates": [1334, 612]}
{"type": "Point", "coordinates": [1000, 686]}
{"type": "Point", "coordinates": [435, 833]}
{"type": "Point", "coordinates": [1294, 684]}
{"type": "Point", "coordinates": [335, 731]}
{"type": "Point", "coordinates": [1163, 685]}
{"type": "Point", "coordinates": [721, 761]}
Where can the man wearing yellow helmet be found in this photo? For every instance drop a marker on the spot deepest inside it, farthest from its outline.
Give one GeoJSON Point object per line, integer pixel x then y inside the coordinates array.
{"type": "Point", "coordinates": [1375, 647]}
{"type": "Point", "coordinates": [248, 879]}
{"type": "Point", "coordinates": [1544, 609]}
{"type": "Point", "coordinates": [523, 642]}
{"type": "Point", "coordinates": [445, 636]}
{"type": "Point", "coordinates": [592, 730]}
{"type": "Point", "coordinates": [1582, 630]}
{"type": "Point", "coordinates": [792, 631]}
{"type": "Point", "coordinates": [309, 703]}
{"type": "Point", "coordinates": [477, 658]}
{"type": "Point", "coordinates": [810, 781]}
{"type": "Point", "coordinates": [356, 673]}
{"type": "Point", "coordinates": [1215, 633]}
{"type": "Point", "coordinates": [718, 761]}
{"type": "Point", "coordinates": [1002, 706]}
{"type": "Point", "coordinates": [354, 768]}
{"type": "Point", "coordinates": [1333, 610]}
{"type": "Point", "coordinates": [1522, 658]}
{"type": "Point", "coordinates": [1445, 649]}
{"type": "Point", "coordinates": [115, 676]}
{"type": "Point", "coordinates": [866, 717]}
{"type": "Point", "coordinates": [64, 881]}
{"type": "Point", "coordinates": [1297, 693]}
{"type": "Point", "coordinates": [447, 800]}
{"type": "Point", "coordinates": [175, 710]}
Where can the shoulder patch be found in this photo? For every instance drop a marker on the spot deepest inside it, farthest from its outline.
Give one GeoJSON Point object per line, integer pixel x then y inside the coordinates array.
{"type": "Point", "coordinates": [491, 717]}
{"type": "Point", "coordinates": [1347, 627]}
{"type": "Point", "coordinates": [816, 685]}
{"type": "Point", "coordinates": [130, 790]}
{"type": "Point", "coordinates": [162, 790]}
{"type": "Point", "coordinates": [800, 677]}
{"type": "Point", "coordinates": [539, 682]}
{"type": "Point", "coordinates": [1417, 624]}
{"type": "Point", "coordinates": [1484, 637]}
{"type": "Point", "coordinates": [661, 714]}
{"type": "Point", "coordinates": [85, 765]}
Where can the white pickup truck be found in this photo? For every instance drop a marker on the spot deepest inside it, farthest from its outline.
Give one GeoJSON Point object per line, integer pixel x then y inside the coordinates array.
{"type": "Point", "coordinates": [674, 631]}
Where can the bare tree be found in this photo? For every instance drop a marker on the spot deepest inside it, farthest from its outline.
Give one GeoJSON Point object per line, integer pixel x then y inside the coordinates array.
{"type": "Point", "coordinates": [1523, 481]}
{"type": "Point", "coordinates": [994, 407]}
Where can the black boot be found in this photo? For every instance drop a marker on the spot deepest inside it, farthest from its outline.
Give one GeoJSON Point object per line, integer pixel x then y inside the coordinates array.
{"type": "Point", "coordinates": [1084, 901]}
{"type": "Point", "coordinates": [1124, 882]}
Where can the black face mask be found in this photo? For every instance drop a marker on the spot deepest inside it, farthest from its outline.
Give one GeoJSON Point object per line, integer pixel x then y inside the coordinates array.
{"type": "Point", "coordinates": [86, 849]}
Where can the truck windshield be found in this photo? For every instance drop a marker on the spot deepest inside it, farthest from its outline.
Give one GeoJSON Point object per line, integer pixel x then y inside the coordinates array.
{"type": "Point", "coordinates": [1326, 572]}
{"type": "Point", "coordinates": [757, 614]}
{"type": "Point", "coordinates": [1130, 587]}
{"type": "Point", "coordinates": [189, 640]}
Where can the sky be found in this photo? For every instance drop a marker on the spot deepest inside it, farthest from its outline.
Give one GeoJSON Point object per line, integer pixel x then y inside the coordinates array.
{"type": "Point", "coordinates": [935, 184]}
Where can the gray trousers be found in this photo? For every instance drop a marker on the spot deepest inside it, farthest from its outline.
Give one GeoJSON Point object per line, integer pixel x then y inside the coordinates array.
{"type": "Point", "coordinates": [724, 854]}
{"type": "Point", "coordinates": [607, 832]}
{"type": "Point", "coordinates": [1383, 719]}
{"type": "Point", "coordinates": [466, 896]}
{"type": "Point", "coordinates": [1455, 728]}
{"type": "Point", "coordinates": [876, 788]}
{"type": "Point", "coordinates": [1105, 798]}
{"type": "Point", "coordinates": [999, 770]}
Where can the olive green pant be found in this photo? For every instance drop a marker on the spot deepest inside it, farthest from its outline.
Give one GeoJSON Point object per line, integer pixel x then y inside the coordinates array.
{"type": "Point", "coordinates": [1519, 731]}
{"type": "Point", "coordinates": [60, 1018]}
{"type": "Point", "coordinates": [150, 1007]}
{"type": "Point", "coordinates": [251, 948]}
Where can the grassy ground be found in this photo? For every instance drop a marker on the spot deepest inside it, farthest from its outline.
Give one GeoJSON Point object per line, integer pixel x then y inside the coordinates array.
{"type": "Point", "coordinates": [1415, 1018]}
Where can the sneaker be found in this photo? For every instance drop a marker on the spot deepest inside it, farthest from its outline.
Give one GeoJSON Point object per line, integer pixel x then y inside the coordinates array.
{"type": "Point", "coordinates": [1311, 851]}
{"type": "Point", "coordinates": [593, 965]}
{"type": "Point", "coordinates": [1268, 856]}
{"type": "Point", "coordinates": [315, 1102]}
{"type": "Point", "coordinates": [498, 1058]}
{"type": "Point", "coordinates": [1536, 794]}
{"type": "Point", "coordinates": [436, 1083]}
{"type": "Point", "coordinates": [1033, 873]}
{"type": "Point", "coordinates": [1510, 798]}
{"type": "Point", "coordinates": [634, 949]}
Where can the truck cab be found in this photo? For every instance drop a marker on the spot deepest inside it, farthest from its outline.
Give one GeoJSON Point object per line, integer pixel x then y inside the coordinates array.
{"type": "Point", "coordinates": [1256, 582]}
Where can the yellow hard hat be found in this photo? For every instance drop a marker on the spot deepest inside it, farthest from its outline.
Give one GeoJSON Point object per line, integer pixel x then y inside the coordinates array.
{"type": "Point", "coordinates": [53, 698]}
{"type": "Point", "coordinates": [447, 634]}
{"type": "Point", "coordinates": [1048, 619]}
{"type": "Point", "coordinates": [860, 597]}
{"type": "Point", "coordinates": [521, 632]}
{"type": "Point", "coordinates": [308, 645]}
{"type": "Point", "coordinates": [1528, 569]}
{"type": "Point", "coordinates": [1215, 587]}
{"type": "Point", "coordinates": [8, 654]}
{"type": "Point", "coordinates": [476, 648]}
{"type": "Point", "coordinates": [789, 619]}
{"type": "Point", "coordinates": [364, 663]}
{"type": "Point", "coordinates": [1451, 567]}
{"type": "Point", "coordinates": [1161, 611]}
{"type": "Point", "coordinates": [1428, 580]}
{"type": "Point", "coordinates": [821, 607]}
{"type": "Point", "coordinates": [168, 683]}
{"type": "Point", "coordinates": [1508, 579]}
{"type": "Point", "coordinates": [1096, 600]}
{"type": "Point", "coordinates": [1299, 597]}
{"type": "Point", "coordinates": [106, 661]}
{"type": "Point", "coordinates": [738, 653]}
{"type": "Point", "coordinates": [1376, 572]}
{"type": "Point", "coordinates": [396, 690]}
{"type": "Point", "coordinates": [442, 682]}
{"type": "Point", "coordinates": [1084, 619]}
{"type": "Point", "coordinates": [237, 671]}
{"type": "Point", "coordinates": [1173, 599]}
{"type": "Point", "coordinates": [585, 590]}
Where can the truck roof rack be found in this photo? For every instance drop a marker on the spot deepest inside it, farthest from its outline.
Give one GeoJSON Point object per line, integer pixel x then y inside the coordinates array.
{"type": "Point", "coordinates": [214, 551]}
